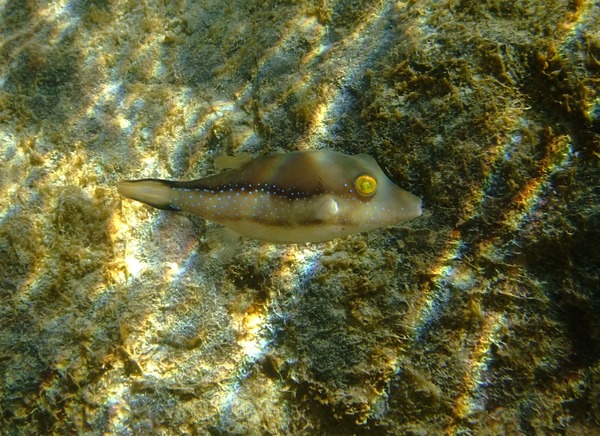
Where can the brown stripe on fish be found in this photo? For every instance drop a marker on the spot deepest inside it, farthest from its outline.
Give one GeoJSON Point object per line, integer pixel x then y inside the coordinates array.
{"type": "Point", "coordinates": [293, 175]}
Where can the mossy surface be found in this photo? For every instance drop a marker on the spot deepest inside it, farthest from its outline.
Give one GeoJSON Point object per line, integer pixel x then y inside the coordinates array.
{"type": "Point", "coordinates": [481, 316]}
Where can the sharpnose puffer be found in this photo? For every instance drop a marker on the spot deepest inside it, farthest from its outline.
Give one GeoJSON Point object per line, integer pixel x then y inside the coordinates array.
{"type": "Point", "coordinates": [305, 196]}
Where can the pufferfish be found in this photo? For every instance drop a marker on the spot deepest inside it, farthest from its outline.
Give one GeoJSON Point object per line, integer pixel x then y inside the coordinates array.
{"type": "Point", "coordinates": [296, 197]}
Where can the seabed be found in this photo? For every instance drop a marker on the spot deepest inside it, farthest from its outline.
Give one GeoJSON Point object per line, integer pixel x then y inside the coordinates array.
{"type": "Point", "coordinates": [482, 316]}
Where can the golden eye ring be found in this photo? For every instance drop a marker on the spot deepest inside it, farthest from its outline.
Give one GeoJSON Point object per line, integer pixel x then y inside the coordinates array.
{"type": "Point", "coordinates": [365, 185]}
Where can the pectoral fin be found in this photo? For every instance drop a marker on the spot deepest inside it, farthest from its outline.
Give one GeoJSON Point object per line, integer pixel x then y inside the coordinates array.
{"type": "Point", "coordinates": [327, 209]}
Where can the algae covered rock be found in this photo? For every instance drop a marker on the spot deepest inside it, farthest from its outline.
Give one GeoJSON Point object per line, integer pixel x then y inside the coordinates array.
{"type": "Point", "coordinates": [482, 316]}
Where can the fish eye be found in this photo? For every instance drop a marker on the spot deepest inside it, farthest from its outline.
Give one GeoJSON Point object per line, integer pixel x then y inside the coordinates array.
{"type": "Point", "coordinates": [365, 185]}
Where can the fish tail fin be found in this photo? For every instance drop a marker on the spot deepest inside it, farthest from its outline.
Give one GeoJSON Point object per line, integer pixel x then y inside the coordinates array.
{"type": "Point", "coordinates": [154, 192]}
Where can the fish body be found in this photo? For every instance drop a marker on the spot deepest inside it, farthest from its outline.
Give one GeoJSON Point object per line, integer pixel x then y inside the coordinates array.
{"type": "Point", "coordinates": [304, 196]}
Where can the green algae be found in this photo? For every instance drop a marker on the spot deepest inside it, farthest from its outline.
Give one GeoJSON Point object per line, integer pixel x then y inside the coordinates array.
{"type": "Point", "coordinates": [480, 317]}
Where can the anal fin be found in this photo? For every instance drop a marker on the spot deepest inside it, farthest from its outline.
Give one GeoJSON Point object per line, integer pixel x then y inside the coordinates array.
{"type": "Point", "coordinates": [223, 243]}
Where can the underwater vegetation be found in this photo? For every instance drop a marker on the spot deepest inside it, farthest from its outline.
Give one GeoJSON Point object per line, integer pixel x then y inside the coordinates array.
{"type": "Point", "coordinates": [481, 316]}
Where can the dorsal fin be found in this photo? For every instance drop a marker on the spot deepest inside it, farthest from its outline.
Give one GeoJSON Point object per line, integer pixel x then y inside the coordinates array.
{"type": "Point", "coordinates": [225, 162]}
